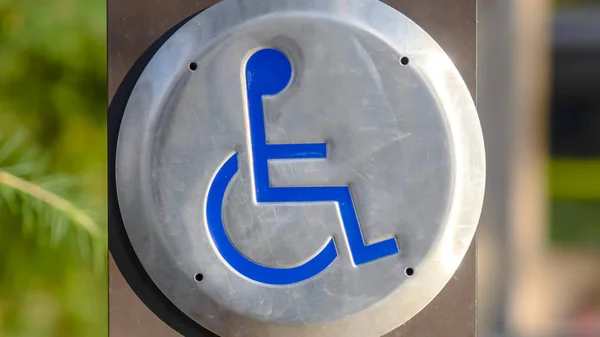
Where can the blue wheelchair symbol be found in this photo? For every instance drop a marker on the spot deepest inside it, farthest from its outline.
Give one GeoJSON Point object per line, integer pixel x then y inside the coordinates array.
{"type": "Point", "coordinates": [268, 72]}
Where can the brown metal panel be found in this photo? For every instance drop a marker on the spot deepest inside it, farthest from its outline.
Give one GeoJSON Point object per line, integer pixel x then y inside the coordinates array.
{"type": "Point", "coordinates": [133, 25]}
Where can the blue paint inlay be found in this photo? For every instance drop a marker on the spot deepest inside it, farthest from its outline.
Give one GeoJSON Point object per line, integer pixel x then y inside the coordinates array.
{"type": "Point", "coordinates": [243, 265]}
{"type": "Point", "coordinates": [268, 72]}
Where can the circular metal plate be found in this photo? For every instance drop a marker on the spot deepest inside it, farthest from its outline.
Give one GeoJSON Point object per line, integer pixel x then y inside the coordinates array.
{"type": "Point", "coordinates": [300, 168]}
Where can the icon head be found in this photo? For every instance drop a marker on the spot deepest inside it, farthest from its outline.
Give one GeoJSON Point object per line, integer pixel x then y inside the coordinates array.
{"type": "Point", "coordinates": [268, 72]}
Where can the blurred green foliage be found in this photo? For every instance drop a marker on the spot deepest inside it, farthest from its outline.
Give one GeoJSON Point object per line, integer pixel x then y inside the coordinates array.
{"type": "Point", "coordinates": [53, 274]}
{"type": "Point", "coordinates": [574, 188]}
{"type": "Point", "coordinates": [575, 179]}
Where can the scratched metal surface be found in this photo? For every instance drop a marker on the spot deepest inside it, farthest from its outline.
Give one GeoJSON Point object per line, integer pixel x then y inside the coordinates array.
{"type": "Point", "coordinates": [464, 304]}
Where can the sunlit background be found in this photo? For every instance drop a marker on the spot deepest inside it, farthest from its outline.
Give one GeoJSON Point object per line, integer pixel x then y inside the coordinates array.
{"type": "Point", "coordinates": [539, 266]}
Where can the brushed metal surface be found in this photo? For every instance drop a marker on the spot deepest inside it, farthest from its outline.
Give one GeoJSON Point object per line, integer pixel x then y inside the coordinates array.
{"type": "Point", "coordinates": [406, 138]}
{"type": "Point", "coordinates": [280, 174]}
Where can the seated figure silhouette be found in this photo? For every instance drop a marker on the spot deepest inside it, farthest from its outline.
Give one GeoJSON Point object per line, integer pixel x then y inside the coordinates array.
{"type": "Point", "coordinates": [267, 73]}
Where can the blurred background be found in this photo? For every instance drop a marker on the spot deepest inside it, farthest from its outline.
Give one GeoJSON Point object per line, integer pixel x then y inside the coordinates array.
{"type": "Point", "coordinates": [539, 103]}
{"type": "Point", "coordinates": [53, 99]}
{"type": "Point", "coordinates": [539, 100]}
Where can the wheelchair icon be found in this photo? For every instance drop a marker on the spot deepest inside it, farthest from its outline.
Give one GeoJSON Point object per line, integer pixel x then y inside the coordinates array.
{"type": "Point", "coordinates": [267, 73]}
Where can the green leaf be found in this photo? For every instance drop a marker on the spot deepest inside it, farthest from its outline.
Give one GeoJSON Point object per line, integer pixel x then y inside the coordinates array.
{"type": "Point", "coordinates": [43, 202]}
